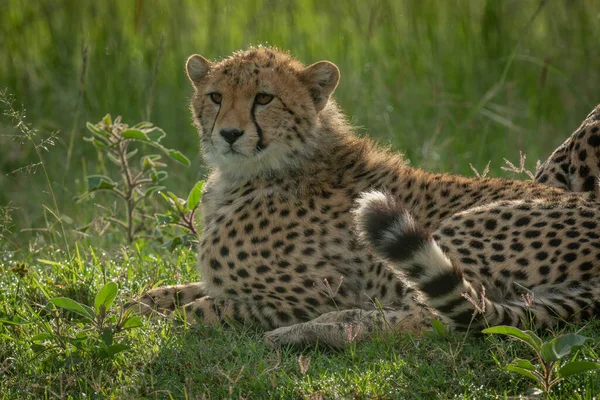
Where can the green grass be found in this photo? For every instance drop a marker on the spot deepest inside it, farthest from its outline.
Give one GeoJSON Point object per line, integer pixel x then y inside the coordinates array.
{"type": "Point", "coordinates": [447, 82]}
{"type": "Point", "coordinates": [167, 360]}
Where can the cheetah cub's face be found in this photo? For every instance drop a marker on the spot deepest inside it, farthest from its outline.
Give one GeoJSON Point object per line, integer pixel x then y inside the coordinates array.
{"type": "Point", "coordinates": [258, 109]}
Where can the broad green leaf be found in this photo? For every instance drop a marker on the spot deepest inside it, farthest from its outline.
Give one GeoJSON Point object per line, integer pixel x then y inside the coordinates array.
{"type": "Point", "coordinates": [107, 119]}
{"type": "Point", "coordinates": [107, 337]}
{"type": "Point", "coordinates": [177, 201]}
{"type": "Point", "coordinates": [142, 125]}
{"type": "Point", "coordinates": [525, 372]}
{"type": "Point", "coordinates": [548, 353]}
{"type": "Point", "coordinates": [99, 182]}
{"type": "Point", "coordinates": [525, 364]}
{"type": "Point", "coordinates": [105, 296]}
{"type": "Point", "coordinates": [171, 245]}
{"type": "Point", "coordinates": [526, 336]}
{"type": "Point", "coordinates": [165, 219]}
{"type": "Point", "coordinates": [100, 133]}
{"type": "Point", "coordinates": [194, 196]}
{"type": "Point", "coordinates": [131, 153]}
{"type": "Point", "coordinates": [42, 336]}
{"type": "Point", "coordinates": [135, 134]}
{"type": "Point", "coordinates": [439, 328]}
{"type": "Point", "coordinates": [72, 305]}
{"type": "Point", "coordinates": [561, 346]}
{"type": "Point", "coordinates": [179, 157]}
{"type": "Point", "coordinates": [152, 189]}
{"type": "Point", "coordinates": [114, 159]}
{"type": "Point", "coordinates": [576, 367]}
{"type": "Point", "coordinates": [37, 348]}
{"type": "Point", "coordinates": [117, 348]}
{"type": "Point", "coordinates": [158, 176]}
{"type": "Point", "coordinates": [132, 322]}
{"type": "Point", "coordinates": [98, 143]}
{"type": "Point", "coordinates": [564, 344]}
{"type": "Point", "coordinates": [155, 134]}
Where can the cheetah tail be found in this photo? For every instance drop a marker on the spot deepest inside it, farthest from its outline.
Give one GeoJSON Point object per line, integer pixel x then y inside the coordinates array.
{"type": "Point", "coordinates": [393, 234]}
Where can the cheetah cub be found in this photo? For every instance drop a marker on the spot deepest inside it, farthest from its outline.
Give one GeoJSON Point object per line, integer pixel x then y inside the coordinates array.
{"type": "Point", "coordinates": [279, 248]}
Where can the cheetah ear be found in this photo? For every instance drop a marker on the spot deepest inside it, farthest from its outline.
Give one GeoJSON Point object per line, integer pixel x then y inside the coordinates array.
{"type": "Point", "coordinates": [197, 67]}
{"type": "Point", "coordinates": [321, 79]}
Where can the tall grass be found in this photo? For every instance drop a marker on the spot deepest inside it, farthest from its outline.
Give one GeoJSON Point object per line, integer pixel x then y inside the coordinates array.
{"type": "Point", "coordinates": [447, 82]}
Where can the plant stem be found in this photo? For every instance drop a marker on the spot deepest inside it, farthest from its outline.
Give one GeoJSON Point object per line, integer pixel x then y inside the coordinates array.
{"type": "Point", "coordinates": [129, 186]}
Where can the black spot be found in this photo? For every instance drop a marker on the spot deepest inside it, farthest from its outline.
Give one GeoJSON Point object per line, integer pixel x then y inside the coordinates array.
{"type": "Point", "coordinates": [308, 251]}
{"type": "Point", "coordinates": [242, 273]}
{"type": "Point", "coordinates": [523, 221]}
{"type": "Point", "coordinates": [448, 232]}
{"type": "Point", "coordinates": [300, 268]}
{"type": "Point", "coordinates": [214, 264]}
{"type": "Point", "coordinates": [523, 261]}
{"type": "Point", "coordinates": [532, 234]}
{"type": "Point", "coordinates": [490, 224]}
{"type": "Point", "coordinates": [263, 269]}
{"type": "Point", "coordinates": [594, 140]}
{"type": "Point", "coordinates": [555, 242]}
{"type": "Point", "coordinates": [586, 266]}
{"type": "Point", "coordinates": [517, 246]}
{"type": "Point", "coordinates": [265, 253]}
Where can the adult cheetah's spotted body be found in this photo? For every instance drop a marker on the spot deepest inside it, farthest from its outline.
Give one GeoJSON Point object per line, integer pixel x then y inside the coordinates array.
{"type": "Point", "coordinates": [279, 247]}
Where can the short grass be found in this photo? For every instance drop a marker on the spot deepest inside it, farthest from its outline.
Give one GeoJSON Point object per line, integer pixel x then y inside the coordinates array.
{"type": "Point", "coordinates": [447, 82]}
{"type": "Point", "coordinates": [169, 360]}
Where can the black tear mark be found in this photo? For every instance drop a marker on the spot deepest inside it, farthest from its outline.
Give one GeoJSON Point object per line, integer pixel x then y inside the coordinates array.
{"type": "Point", "coordinates": [260, 145]}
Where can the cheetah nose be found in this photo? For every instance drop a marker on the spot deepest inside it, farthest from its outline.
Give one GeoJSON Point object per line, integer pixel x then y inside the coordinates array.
{"type": "Point", "coordinates": [231, 135]}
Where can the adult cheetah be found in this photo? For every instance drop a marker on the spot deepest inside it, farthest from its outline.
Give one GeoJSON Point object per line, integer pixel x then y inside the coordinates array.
{"type": "Point", "coordinates": [279, 248]}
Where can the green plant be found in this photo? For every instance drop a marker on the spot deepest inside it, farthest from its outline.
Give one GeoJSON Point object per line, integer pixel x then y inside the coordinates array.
{"type": "Point", "coordinates": [138, 182]}
{"type": "Point", "coordinates": [96, 332]}
{"type": "Point", "coordinates": [550, 369]}
{"type": "Point", "coordinates": [181, 213]}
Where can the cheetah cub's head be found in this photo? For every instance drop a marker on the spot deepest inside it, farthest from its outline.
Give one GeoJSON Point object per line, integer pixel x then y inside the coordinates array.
{"type": "Point", "coordinates": [258, 110]}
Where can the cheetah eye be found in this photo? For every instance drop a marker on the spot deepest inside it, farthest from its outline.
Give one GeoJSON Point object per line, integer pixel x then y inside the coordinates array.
{"type": "Point", "coordinates": [263, 98]}
{"type": "Point", "coordinates": [216, 97]}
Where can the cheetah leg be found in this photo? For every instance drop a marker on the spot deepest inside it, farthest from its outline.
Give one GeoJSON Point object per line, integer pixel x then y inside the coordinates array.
{"type": "Point", "coordinates": [394, 235]}
{"type": "Point", "coordinates": [167, 298]}
{"type": "Point", "coordinates": [338, 328]}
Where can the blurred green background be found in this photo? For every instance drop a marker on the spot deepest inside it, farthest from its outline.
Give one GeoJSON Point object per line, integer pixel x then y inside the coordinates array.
{"type": "Point", "coordinates": [447, 82]}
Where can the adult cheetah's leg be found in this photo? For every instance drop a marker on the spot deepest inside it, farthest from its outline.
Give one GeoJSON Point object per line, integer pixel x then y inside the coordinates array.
{"type": "Point", "coordinates": [575, 164]}
{"type": "Point", "coordinates": [394, 235]}
{"type": "Point", "coordinates": [168, 298]}
{"type": "Point", "coordinates": [338, 328]}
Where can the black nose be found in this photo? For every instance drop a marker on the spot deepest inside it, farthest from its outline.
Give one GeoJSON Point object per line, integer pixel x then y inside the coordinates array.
{"type": "Point", "coordinates": [231, 135]}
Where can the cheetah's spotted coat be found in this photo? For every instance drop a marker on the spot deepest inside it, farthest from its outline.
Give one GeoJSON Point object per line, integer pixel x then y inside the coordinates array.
{"type": "Point", "coordinates": [279, 247]}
